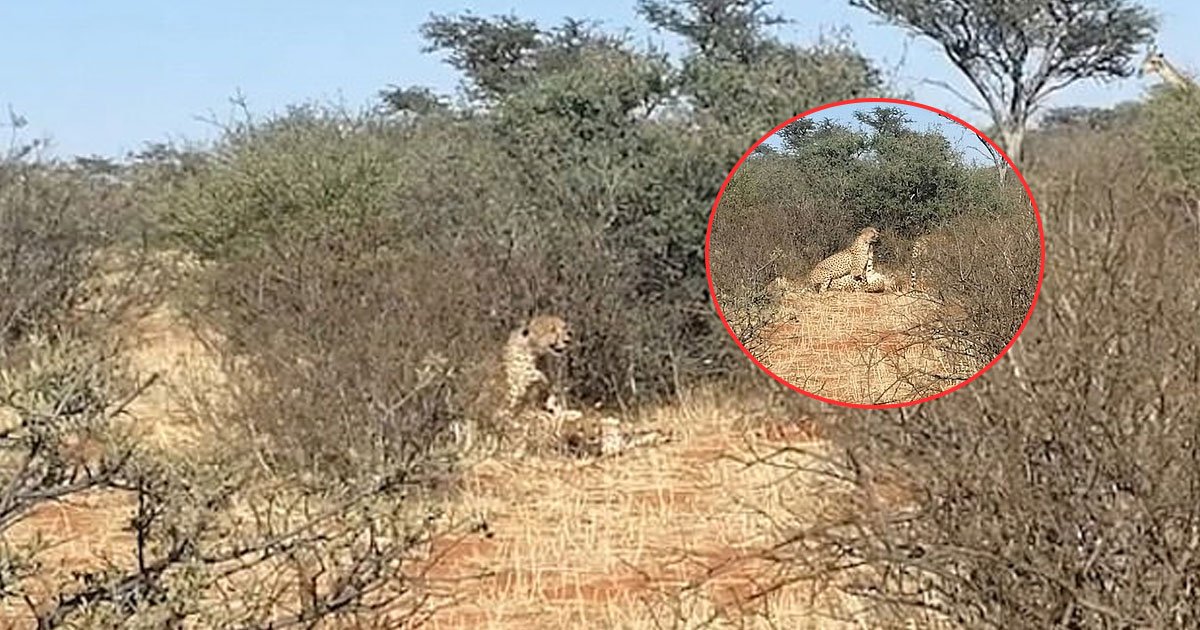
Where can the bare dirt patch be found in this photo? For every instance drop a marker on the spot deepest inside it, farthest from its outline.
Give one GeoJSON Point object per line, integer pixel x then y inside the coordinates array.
{"type": "Point", "coordinates": [852, 347]}
{"type": "Point", "coordinates": [677, 531]}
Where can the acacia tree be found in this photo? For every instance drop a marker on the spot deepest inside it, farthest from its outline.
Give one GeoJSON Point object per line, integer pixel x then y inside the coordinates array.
{"type": "Point", "coordinates": [611, 148]}
{"type": "Point", "coordinates": [885, 120]}
{"type": "Point", "coordinates": [797, 132]}
{"type": "Point", "coordinates": [731, 29]}
{"type": "Point", "coordinates": [414, 100]}
{"type": "Point", "coordinates": [1015, 54]}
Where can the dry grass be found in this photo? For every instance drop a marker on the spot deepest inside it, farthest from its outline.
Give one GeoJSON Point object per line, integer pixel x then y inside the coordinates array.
{"type": "Point", "coordinates": [91, 531]}
{"type": "Point", "coordinates": [157, 343]}
{"type": "Point", "coordinates": [81, 533]}
{"type": "Point", "coordinates": [854, 347]}
{"type": "Point", "coordinates": [160, 345]}
{"type": "Point", "coordinates": [671, 535]}
{"type": "Point", "coordinates": [675, 536]}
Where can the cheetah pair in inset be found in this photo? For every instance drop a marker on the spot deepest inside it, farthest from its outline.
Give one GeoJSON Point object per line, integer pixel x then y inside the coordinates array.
{"type": "Point", "coordinates": [851, 269]}
{"type": "Point", "coordinates": [530, 415]}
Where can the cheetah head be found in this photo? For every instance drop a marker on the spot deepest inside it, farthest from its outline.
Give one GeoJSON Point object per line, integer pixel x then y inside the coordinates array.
{"type": "Point", "coordinates": [869, 235]}
{"type": "Point", "coordinates": [547, 334]}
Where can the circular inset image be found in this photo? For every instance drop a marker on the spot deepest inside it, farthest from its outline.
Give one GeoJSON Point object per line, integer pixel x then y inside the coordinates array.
{"type": "Point", "coordinates": [875, 253]}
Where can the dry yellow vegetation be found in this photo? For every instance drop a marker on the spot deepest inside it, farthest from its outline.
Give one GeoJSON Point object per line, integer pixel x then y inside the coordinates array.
{"type": "Point", "coordinates": [680, 533]}
{"type": "Point", "coordinates": [863, 348]}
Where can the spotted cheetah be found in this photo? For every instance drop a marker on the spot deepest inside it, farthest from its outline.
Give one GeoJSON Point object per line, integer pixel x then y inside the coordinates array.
{"type": "Point", "coordinates": [871, 282]}
{"type": "Point", "coordinates": [593, 435]}
{"type": "Point", "coordinates": [778, 287]}
{"type": "Point", "coordinates": [531, 414]}
{"type": "Point", "coordinates": [851, 261]}
{"type": "Point", "coordinates": [920, 262]}
{"type": "Point", "coordinates": [514, 397]}
{"type": "Point", "coordinates": [918, 251]}
{"type": "Point", "coordinates": [543, 335]}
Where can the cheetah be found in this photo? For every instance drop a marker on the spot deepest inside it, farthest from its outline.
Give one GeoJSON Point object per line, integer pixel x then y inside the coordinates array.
{"type": "Point", "coordinates": [851, 261]}
{"type": "Point", "coordinates": [918, 252]}
{"type": "Point", "coordinates": [514, 397]}
{"type": "Point", "coordinates": [543, 335]}
{"type": "Point", "coordinates": [920, 261]}
{"type": "Point", "coordinates": [778, 287]}
{"type": "Point", "coordinates": [587, 435]}
{"type": "Point", "coordinates": [531, 413]}
{"type": "Point", "coordinates": [871, 282]}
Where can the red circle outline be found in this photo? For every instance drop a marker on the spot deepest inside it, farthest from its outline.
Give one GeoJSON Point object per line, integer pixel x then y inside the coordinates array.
{"type": "Point", "coordinates": [717, 202]}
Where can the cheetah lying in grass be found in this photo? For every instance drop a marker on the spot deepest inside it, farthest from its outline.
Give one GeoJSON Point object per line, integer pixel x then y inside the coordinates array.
{"type": "Point", "coordinates": [851, 262]}
{"type": "Point", "coordinates": [872, 282]}
{"type": "Point", "coordinates": [586, 434]}
{"type": "Point", "coordinates": [521, 412]}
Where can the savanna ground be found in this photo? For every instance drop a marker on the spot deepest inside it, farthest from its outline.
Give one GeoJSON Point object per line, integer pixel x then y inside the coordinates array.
{"type": "Point", "coordinates": [541, 542]}
{"type": "Point", "coordinates": [853, 347]}
{"type": "Point", "coordinates": [315, 292]}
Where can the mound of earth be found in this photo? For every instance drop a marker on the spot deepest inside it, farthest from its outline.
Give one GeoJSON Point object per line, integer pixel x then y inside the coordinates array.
{"type": "Point", "coordinates": [856, 347]}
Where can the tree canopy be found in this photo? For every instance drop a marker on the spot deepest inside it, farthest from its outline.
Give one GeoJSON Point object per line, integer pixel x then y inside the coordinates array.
{"type": "Point", "coordinates": [1017, 53]}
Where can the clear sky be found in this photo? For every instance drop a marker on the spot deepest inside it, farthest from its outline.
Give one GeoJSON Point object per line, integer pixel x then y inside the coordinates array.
{"type": "Point", "coordinates": [106, 77]}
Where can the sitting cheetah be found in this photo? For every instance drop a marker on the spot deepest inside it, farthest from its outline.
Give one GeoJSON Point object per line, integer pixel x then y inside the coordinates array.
{"type": "Point", "coordinates": [513, 399]}
{"type": "Point", "coordinates": [851, 261]}
{"type": "Point", "coordinates": [530, 414]}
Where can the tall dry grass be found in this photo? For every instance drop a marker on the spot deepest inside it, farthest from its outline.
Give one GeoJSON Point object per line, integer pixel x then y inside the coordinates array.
{"type": "Point", "coordinates": [1059, 489]}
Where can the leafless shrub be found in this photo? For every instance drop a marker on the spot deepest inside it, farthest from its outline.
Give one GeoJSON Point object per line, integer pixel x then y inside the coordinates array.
{"type": "Point", "coordinates": [980, 273]}
{"type": "Point", "coordinates": [1060, 489]}
{"type": "Point", "coordinates": [48, 228]}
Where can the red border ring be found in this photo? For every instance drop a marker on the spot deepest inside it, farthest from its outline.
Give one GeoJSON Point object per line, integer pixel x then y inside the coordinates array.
{"type": "Point", "coordinates": [1033, 203]}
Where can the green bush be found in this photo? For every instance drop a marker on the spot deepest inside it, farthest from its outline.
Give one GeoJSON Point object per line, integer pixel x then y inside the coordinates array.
{"type": "Point", "coordinates": [1173, 137]}
{"type": "Point", "coordinates": [346, 251]}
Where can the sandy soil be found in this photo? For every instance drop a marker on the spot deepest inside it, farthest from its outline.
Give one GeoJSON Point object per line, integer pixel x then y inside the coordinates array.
{"type": "Point", "coordinates": [675, 535]}
{"type": "Point", "coordinates": [853, 347]}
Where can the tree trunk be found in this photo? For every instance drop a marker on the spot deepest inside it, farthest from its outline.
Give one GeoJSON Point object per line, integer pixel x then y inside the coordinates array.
{"type": "Point", "coordinates": [1012, 136]}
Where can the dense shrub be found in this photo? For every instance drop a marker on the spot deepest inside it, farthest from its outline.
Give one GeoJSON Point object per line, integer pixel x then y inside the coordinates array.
{"type": "Point", "coordinates": [1170, 128]}
{"type": "Point", "coordinates": [832, 180]}
{"type": "Point", "coordinates": [345, 253]}
{"type": "Point", "coordinates": [68, 275]}
{"type": "Point", "coordinates": [982, 275]}
{"type": "Point", "coordinates": [52, 221]}
{"type": "Point", "coordinates": [1060, 489]}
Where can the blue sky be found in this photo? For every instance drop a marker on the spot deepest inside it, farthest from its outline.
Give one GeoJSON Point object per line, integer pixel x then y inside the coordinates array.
{"type": "Point", "coordinates": [104, 78]}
